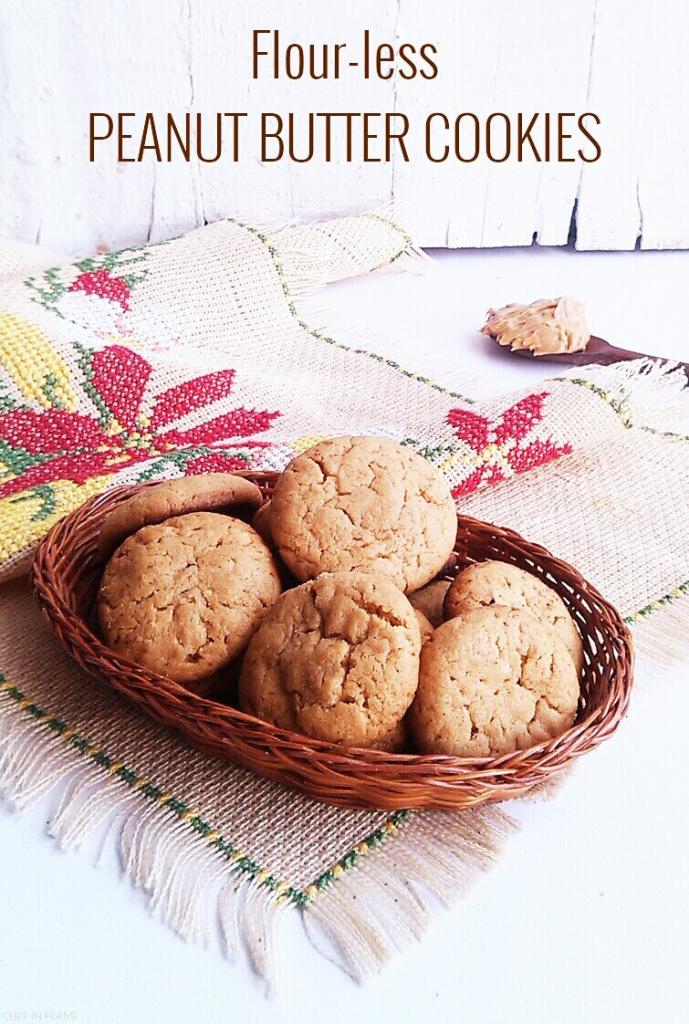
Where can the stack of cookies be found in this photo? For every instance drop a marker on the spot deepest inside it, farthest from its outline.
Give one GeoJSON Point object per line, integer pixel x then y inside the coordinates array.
{"type": "Point", "coordinates": [329, 616]}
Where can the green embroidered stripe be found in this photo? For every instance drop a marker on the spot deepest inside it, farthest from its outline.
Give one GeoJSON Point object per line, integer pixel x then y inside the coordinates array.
{"type": "Point", "coordinates": [618, 406]}
{"type": "Point", "coordinates": [351, 859]}
{"type": "Point", "coordinates": [320, 336]}
{"type": "Point", "coordinates": [241, 862]}
{"type": "Point", "coordinates": [662, 602]}
{"type": "Point", "coordinates": [46, 496]}
{"type": "Point", "coordinates": [51, 391]}
{"type": "Point", "coordinates": [408, 243]}
{"type": "Point", "coordinates": [84, 364]}
{"type": "Point", "coordinates": [179, 459]}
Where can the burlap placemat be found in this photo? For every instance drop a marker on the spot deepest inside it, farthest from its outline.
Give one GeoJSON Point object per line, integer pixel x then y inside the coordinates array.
{"type": "Point", "coordinates": [211, 351]}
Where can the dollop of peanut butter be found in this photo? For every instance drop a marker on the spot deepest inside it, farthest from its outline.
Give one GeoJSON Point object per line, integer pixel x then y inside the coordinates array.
{"type": "Point", "coordinates": [543, 326]}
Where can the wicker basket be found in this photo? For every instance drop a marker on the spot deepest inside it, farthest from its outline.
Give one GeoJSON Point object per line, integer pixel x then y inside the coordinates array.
{"type": "Point", "coordinates": [66, 573]}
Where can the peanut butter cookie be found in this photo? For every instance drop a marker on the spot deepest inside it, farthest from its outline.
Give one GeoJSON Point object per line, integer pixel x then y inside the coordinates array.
{"type": "Point", "coordinates": [206, 492]}
{"type": "Point", "coordinates": [489, 583]}
{"type": "Point", "coordinates": [425, 627]}
{"type": "Point", "coordinates": [183, 597]}
{"type": "Point", "coordinates": [492, 681]}
{"type": "Point", "coordinates": [397, 741]}
{"type": "Point", "coordinates": [261, 524]}
{"type": "Point", "coordinates": [336, 658]}
{"type": "Point", "coordinates": [363, 504]}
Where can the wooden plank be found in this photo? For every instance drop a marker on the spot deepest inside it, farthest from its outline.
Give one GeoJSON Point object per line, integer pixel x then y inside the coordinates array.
{"type": "Point", "coordinates": [508, 57]}
{"type": "Point", "coordinates": [221, 63]}
{"type": "Point", "coordinates": [639, 193]}
{"type": "Point", "coordinates": [628, 60]}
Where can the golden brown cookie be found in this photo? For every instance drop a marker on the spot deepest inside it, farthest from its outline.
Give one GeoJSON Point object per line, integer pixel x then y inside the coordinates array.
{"type": "Point", "coordinates": [490, 583]}
{"type": "Point", "coordinates": [183, 597]}
{"type": "Point", "coordinates": [364, 504]}
{"type": "Point", "coordinates": [218, 687]}
{"type": "Point", "coordinates": [397, 740]}
{"type": "Point", "coordinates": [206, 492]}
{"type": "Point", "coordinates": [336, 658]}
{"type": "Point", "coordinates": [425, 627]}
{"type": "Point", "coordinates": [261, 524]}
{"type": "Point", "coordinates": [492, 681]}
{"type": "Point", "coordinates": [429, 600]}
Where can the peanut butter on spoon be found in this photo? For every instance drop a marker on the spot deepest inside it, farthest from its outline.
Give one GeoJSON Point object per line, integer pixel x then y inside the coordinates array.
{"type": "Point", "coordinates": [555, 331]}
{"type": "Point", "coordinates": [544, 327]}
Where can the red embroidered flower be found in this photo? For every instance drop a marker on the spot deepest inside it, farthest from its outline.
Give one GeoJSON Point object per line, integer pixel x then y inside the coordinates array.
{"type": "Point", "coordinates": [56, 444]}
{"type": "Point", "coordinates": [215, 462]}
{"type": "Point", "coordinates": [498, 444]}
{"type": "Point", "coordinates": [102, 283]}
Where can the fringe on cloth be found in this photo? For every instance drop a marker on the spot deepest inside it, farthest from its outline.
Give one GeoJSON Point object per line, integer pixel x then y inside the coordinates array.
{"type": "Point", "coordinates": [663, 637]}
{"type": "Point", "coordinates": [651, 394]}
{"type": "Point", "coordinates": [383, 907]}
{"type": "Point", "coordinates": [190, 887]}
{"type": "Point", "coordinates": [369, 913]}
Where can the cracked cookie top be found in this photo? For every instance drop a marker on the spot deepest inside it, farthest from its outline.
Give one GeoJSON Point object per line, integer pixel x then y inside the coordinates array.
{"type": "Point", "coordinates": [205, 492]}
{"type": "Point", "coordinates": [183, 597]}
{"type": "Point", "coordinates": [336, 658]}
{"type": "Point", "coordinates": [491, 583]}
{"type": "Point", "coordinates": [363, 504]}
{"type": "Point", "coordinates": [492, 681]}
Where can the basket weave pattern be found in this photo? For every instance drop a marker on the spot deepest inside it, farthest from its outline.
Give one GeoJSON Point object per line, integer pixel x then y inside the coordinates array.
{"type": "Point", "coordinates": [66, 574]}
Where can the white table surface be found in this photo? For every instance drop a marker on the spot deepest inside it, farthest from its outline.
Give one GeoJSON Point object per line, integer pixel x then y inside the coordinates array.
{"type": "Point", "coordinates": [583, 921]}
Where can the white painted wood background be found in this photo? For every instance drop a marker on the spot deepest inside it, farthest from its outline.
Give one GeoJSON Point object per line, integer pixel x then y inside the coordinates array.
{"type": "Point", "coordinates": [627, 60]}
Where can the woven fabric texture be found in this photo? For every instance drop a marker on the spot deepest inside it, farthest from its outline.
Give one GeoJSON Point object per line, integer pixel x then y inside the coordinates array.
{"type": "Point", "coordinates": [206, 353]}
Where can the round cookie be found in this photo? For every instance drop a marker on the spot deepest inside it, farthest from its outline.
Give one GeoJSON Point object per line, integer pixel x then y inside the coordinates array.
{"type": "Point", "coordinates": [205, 492]}
{"type": "Point", "coordinates": [425, 627]}
{"type": "Point", "coordinates": [490, 583]}
{"type": "Point", "coordinates": [261, 524]}
{"type": "Point", "coordinates": [363, 504]}
{"type": "Point", "coordinates": [492, 681]}
{"type": "Point", "coordinates": [336, 658]}
{"type": "Point", "coordinates": [429, 600]}
{"type": "Point", "coordinates": [397, 740]}
{"type": "Point", "coordinates": [183, 597]}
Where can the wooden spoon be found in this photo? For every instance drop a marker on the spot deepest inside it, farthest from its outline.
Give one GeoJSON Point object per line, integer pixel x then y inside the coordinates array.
{"type": "Point", "coordinates": [598, 350]}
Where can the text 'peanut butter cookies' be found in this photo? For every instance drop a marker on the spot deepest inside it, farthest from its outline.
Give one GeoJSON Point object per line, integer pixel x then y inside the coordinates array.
{"type": "Point", "coordinates": [206, 492]}
{"type": "Point", "coordinates": [336, 658]}
{"type": "Point", "coordinates": [363, 504]}
{"type": "Point", "coordinates": [492, 681]}
{"type": "Point", "coordinates": [183, 597]}
{"type": "Point", "coordinates": [500, 583]}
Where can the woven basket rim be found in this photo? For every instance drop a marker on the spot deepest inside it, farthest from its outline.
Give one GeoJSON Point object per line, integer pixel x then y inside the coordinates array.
{"type": "Point", "coordinates": [52, 590]}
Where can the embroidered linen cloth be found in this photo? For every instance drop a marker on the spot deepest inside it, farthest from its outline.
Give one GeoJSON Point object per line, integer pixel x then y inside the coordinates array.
{"type": "Point", "coordinates": [209, 352]}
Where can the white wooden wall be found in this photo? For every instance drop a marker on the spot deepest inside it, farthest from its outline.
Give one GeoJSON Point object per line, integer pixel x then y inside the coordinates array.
{"type": "Point", "coordinates": [627, 60]}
